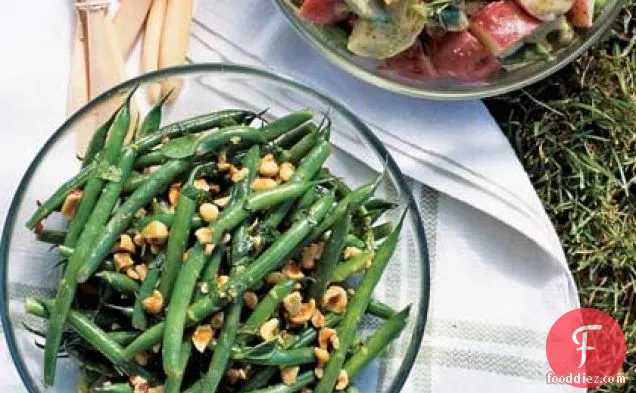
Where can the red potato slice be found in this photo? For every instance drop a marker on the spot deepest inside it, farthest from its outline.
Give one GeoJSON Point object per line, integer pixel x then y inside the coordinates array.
{"type": "Point", "coordinates": [412, 64]}
{"type": "Point", "coordinates": [460, 56]}
{"type": "Point", "coordinates": [502, 27]}
{"type": "Point", "coordinates": [323, 11]}
{"type": "Point", "coordinates": [582, 13]}
{"type": "Point", "coordinates": [546, 10]}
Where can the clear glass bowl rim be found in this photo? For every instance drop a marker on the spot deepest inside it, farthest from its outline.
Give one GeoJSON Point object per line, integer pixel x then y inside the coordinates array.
{"type": "Point", "coordinates": [421, 314]}
{"type": "Point", "coordinates": [446, 94]}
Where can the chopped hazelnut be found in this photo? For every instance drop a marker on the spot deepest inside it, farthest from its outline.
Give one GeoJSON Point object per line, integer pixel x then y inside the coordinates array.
{"type": "Point", "coordinates": [142, 271]}
{"type": "Point", "coordinates": [268, 166]}
{"type": "Point", "coordinates": [122, 261]}
{"type": "Point", "coordinates": [236, 374]}
{"type": "Point", "coordinates": [155, 233]}
{"type": "Point", "coordinates": [292, 303]}
{"type": "Point", "coordinates": [202, 336]}
{"type": "Point", "coordinates": [269, 329]}
{"type": "Point", "coordinates": [322, 355]}
{"type": "Point", "coordinates": [222, 280]}
{"type": "Point", "coordinates": [209, 249]}
{"type": "Point", "coordinates": [250, 299]}
{"type": "Point", "coordinates": [350, 252]}
{"type": "Point", "coordinates": [126, 244]}
{"type": "Point", "coordinates": [201, 184]}
{"type": "Point", "coordinates": [319, 372]}
{"type": "Point", "coordinates": [140, 384]}
{"type": "Point", "coordinates": [335, 299]}
{"type": "Point", "coordinates": [236, 175]}
{"type": "Point", "coordinates": [173, 193]}
{"type": "Point", "coordinates": [289, 375]}
{"type": "Point", "coordinates": [139, 239]}
{"type": "Point", "coordinates": [343, 380]}
{"type": "Point", "coordinates": [263, 183]}
{"type": "Point", "coordinates": [153, 303]}
{"type": "Point", "coordinates": [310, 254]}
{"type": "Point", "coordinates": [291, 270]}
{"type": "Point", "coordinates": [305, 314]}
{"type": "Point", "coordinates": [286, 171]}
{"type": "Point", "coordinates": [141, 213]}
{"type": "Point", "coordinates": [155, 248]}
{"type": "Point", "coordinates": [274, 278]}
{"type": "Point", "coordinates": [142, 358]}
{"type": "Point", "coordinates": [209, 212]}
{"type": "Point", "coordinates": [156, 389]}
{"type": "Point", "coordinates": [328, 339]}
{"type": "Point", "coordinates": [132, 274]}
{"type": "Point", "coordinates": [217, 320]}
{"type": "Point", "coordinates": [221, 202]}
{"type": "Point", "coordinates": [204, 235]}
{"type": "Point", "coordinates": [71, 202]}
{"type": "Point", "coordinates": [318, 320]}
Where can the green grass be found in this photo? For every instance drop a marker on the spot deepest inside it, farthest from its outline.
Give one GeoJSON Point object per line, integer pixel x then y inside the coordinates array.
{"type": "Point", "coordinates": [575, 134]}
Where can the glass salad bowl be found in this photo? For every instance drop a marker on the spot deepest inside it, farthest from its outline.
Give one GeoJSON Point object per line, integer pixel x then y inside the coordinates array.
{"type": "Point", "coordinates": [29, 267]}
{"type": "Point", "coordinates": [333, 46]}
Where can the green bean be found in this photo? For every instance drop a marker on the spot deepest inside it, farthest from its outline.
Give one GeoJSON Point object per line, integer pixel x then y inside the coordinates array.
{"type": "Point", "coordinates": [354, 241]}
{"type": "Point", "coordinates": [123, 310]}
{"type": "Point", "coordinates": [235, 135]}
{"type": "Point", "coordinates": [95, 336]}
{"type": "Point", "coordinates": [119, 281]}
{"type": "Point", "coordinates": [98, 140]}
{"type": "Point", "coordinates": [177, 240]}
{"type": "Point", "coordinates": [85, 227]}
{"type": "Point", "coordinates": [51, 236]}
{"type": "Point", "coordinates": [286, 124]}
{"type": "Point", "coordinates": [152, 121]}
{"type": "Point", "coordinates": [208, 283]}
{"type": "Point", "coordinates": [270, 260]}
{"type": "Point", "coordinates": [173, 382]}
{"type": "Point", "coordinates": [166, 218]}
{"type": "Point", "coordinates": [378, 203]}
{"type": "Point", "coordinates": [380, 310]}
{"type": "Point", "coordinates": [152, 158]}
{"type": "Point", "coordinates": [356, 309]}
{"type": "Point", "coordinates": [176, 314]}
{"type": "Point", "coordinates": [381, 231]}
{"type": "Point", "coordinates": [121, 387]}
{"type": "Point", "coordinates": [122, 337]}
{"type": "Point", "coordinates": [352, 389]}
{"type": "Point", "coordinates": [160, 207]}
{"type": "Point", "coordinates": [351, 266]}
{"type": "Point", "coordinates": [56, 200]}
{"type": "Point", "coordinates": [307, 168]}
{"type": "Point", "coordinates": [376, 343]}
{"type": "Point", "coordinates": [274, 196]}
{"type": "Point", "coordinates": [300, 149]}
{"type": "Point", "coordinates": [109, 156]}
{"type": "Point", "coordinates": [289, 138]}
{"type": "Point", "coordinates": [330, 257]}
{"type": "Point", "coordinates": [139, 319]}
{"type": "Point", "coordinates": [122, 218]}
{"type": "Point", "coordinates": [267, 306]}
{"type": "Point", "coordinates": [279, 357]}
{"type": "Point", "coordinates": [221, 355]}
{"type": "Point", "coordinates": [135, 180]}
{"type": "Point", "coordinates": [303, 380]}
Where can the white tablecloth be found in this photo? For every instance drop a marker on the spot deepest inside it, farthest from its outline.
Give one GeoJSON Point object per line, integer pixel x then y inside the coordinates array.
{"type": "Point", "coordinates": [499, 278]}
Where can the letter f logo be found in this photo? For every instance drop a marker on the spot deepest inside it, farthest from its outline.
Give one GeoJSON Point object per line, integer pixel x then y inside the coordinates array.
{"type": "Point", "coordinates": [584, 347]}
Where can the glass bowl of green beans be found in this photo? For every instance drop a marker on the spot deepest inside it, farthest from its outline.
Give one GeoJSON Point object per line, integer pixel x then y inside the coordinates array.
{"type": "Point", "coordinates": [248, 235]}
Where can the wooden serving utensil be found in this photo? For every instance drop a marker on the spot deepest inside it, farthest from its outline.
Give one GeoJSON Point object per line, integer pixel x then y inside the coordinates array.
{"type": "Point", "coordinates": [174, 42]}
{"type": "Point", "coordinates": [129, 21]}
{"type": "Point", "coordinates": [151, 46]}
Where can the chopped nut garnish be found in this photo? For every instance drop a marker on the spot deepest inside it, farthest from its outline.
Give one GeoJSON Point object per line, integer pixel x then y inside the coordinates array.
{"type": "Point", "coordinates": [173, 193]}
{"type": "Point", "coordinates": [71, 202]}
{"type": "Point", "coordinates": [153, 303]}
{"type": "Point", "coordinates": [305, 314]}
{"type": "Point", "coordinates": [328, 339]}
{"type": "Point", "coordinates": [342, 381]}
{"type": "Point", "coordinates": [122, 261]}
{"type": "Point", "coordinates": [132, 274]}
{"type": "Point", "coordinates": [319, 372]}
{"type": "Point", "coordinates": [209, 212]}
{"type": "Point", "coordinates": [236, 175]}
{"type": "Point", "coordinates": [286, 171]}
{"type": "Point", "coordinates": [142, 271]}
{"type": "Point", "coordinates": [292, 303]}
{"type": "Point", "coordinates": [156, 348]}
{"type": "Point", "coordinates": [318, 320]}
{"type": "Point", "coordinates": [236, 374]}
{"type": "Point", "coordinates": [141, 213]}
{"type": "Point", "coordinates": [126, 244]}
{"type": "Point", "coordinates": [201, 184]}
{"type": "Point", "coordinates": [291, 270]}
{"type": "Point", "coordinates": [221, 202]}
{"type": "Point", "coordinates": [269, 329]}
{"type": "Point", "coordinates": [156, 389]}
{"type": "Point", "coordinates": [310, 254]}
{"type": "Point", "coordinates": [209, 249]}
{"type": "Point", "coordinates": [140, 384]}
{"type": "Point", "coordinates": [268, 166]}
{"type": "Point", "coordinates": [350, 252]}
{"type": "Point", "coordinates": [226, 238]}
{"type": "Point", "coordinates": [217, 320]}
{"type": "Point", "coordinates": [202, 336]}
{"type": "Point", "coordinates": [222, 280]}
{"type": "Point", "coordinates": [250, 299]}
{"type": "Point", "coordinates": [322, 355]}
{"type": "Point", "coordinates": [289, 375]}
{"type": "Point", "coordinates": [263, 183]}
{"type": "Point", "coordinates": [156, 248]}
{"type": "Point", "coordinates": [142, 358]}
{"type": "Point", "coordinates": [139, 239]}
{"type": "Point", "coordinates": [335, 299]}
{"type": "Point", "coordinates": [274, 278]}
{"type": "Point", "coordinates": [186, 254]}
{"type": "Point", "coordinates": [204, 235]}
{"type": "Point", "coordinates": [155, 233]}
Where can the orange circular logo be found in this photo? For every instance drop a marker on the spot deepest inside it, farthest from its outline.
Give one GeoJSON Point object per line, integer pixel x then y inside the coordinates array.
{"type": "Point", "coordinates": [585, 348]}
